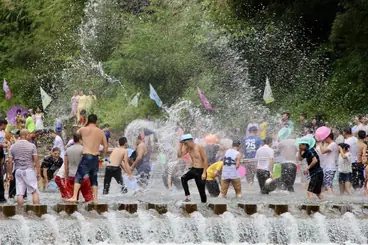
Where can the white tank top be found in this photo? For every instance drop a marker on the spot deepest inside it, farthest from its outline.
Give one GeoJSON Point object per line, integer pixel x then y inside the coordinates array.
{"type": "Point", "coordinates": [229, 170]}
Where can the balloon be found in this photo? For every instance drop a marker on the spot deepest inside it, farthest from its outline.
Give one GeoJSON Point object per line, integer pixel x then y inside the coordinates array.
{"type": "Point", "coordinates": [242, 171]}
{"type": "Point", "coordinates": [322, 133]}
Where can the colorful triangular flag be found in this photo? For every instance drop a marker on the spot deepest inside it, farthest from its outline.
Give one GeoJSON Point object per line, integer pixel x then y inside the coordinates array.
{"type": "Point", "coordinates": [267, 95]}
{"type": "Point", "coordinates": [134, 101]}
{"type": "Point", "coordinates": [7, 91]}
{"type": "Point", "coordinates": [154, 96]}
{"type": "Point", "coordinates": [46, 99]}
{"type": "Point", "coordinates": [204, 100]}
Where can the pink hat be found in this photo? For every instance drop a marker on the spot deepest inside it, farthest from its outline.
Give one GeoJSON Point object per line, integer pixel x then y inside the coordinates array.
{"type": "Point", "coordinates": [322, 133]}
{"type": "Point", "coordinates": [210, 139]}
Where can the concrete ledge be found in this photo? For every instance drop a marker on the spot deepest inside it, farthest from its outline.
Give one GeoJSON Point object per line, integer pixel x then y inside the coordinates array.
{"type": "Point", "coordinates": [39, 210]}
{"type": "Point", "coordinates": [160, 208]}
{"type": "Point", "coordinates": [342, 208]}
{"type": "Point", "coordinates": [8, 210]}
{"type": "Point", "coordinates": [99, 208]}
{"type": "Point", "coordinates": [68, 208]}
{"type": "Point", "coordinates": [130, 208]}
{"type": "Point", "coordinates": [218, 208]}
{"type": "Point", "coordinates": [190, 207]}
{"type": "Point", "coordinates": [279, 208]}
{"type": "Point", "coordinates": [249, 209]}
{"type": "Point", "coordinates": [310, 209]}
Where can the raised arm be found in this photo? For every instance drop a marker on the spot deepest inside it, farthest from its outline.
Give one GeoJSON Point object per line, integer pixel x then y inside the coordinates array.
{"type": "Point", "coordinates": [182, 150]}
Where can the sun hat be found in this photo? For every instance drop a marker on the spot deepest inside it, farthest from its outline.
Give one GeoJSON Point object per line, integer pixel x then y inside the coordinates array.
{"type": "Point", "coordinates": [186, 137]}
{"type": "Point", "coordinates": [210, 139]}
{"type": "Point", "coordinates": [284, 133]}
{"type": "Point", "coordinates": [322, 133]}
{"type": "Point", "coordinates": [307, 141]}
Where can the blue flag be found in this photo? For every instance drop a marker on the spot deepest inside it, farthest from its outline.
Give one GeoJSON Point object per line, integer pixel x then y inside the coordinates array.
{"type": "Point", "coordinates": [154, 96]}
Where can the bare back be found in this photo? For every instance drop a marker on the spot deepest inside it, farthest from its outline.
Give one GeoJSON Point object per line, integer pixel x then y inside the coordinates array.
{"type": "Point", "coordinates": [362, 148]}
{"type": "Point", "coordinates": [117, 157]}
{"type": "Point", "coordinates": [198, 156]}
{"type": "Point", "coordinates": [92, 137]}
{"type": "Point", "coordinates": [142, 150]}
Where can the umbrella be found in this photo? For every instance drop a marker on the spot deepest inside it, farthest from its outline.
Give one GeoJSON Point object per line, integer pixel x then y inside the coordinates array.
{"type": "Point", "coordinates": [12, 113]}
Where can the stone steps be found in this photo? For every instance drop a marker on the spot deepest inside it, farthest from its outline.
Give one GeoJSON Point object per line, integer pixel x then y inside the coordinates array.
{"type": "Point", "coordinates": [187, 208]}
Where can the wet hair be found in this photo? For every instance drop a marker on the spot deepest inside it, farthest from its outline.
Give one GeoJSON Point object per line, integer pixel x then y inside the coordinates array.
{"type": "Point", "coordinates": [287, 114]}
{"type": "Point", "coordinates": [133, 156]}
{"type": "Point", "coordinates": [267, 141]}
{"type": "Point", "coordinates": [122, 141]}
{"type": "Point", "coordinates": [362, 134]}
{"type": "Point", "coordinates": [344, 146]}
{"type": "Point", "coordinates": [3, 122]}
{"type": "Point", "coordinates": [236, 143]}
{"type": "Point", "coordinates": [55, 149]}
{"type": "Point", "coordinates": [347, 130]}
{"type": "Point", "coordinates": [331, 136]}
{"type": "Point", "coordinates": [92, 118]}
{"type": "Point", "coordinates": [76, 137]}
{"type": "Point", "coordinates": [253, 129]}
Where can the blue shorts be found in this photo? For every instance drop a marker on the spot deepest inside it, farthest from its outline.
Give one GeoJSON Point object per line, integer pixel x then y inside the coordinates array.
{"type": "Point", "coordinates": [87, 166]}
{"type": "Point", "coordinates": [344, 177]}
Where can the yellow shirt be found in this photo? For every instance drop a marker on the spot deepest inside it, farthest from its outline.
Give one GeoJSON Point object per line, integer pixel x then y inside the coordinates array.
{"type": "Point", "coordinates": [82, 102]}
{"type": "Point", "coordinates": [263, 130]}
{"type": "Point", "coordinates": [217, 166]}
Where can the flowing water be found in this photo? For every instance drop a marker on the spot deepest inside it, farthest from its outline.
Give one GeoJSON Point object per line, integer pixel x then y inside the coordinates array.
{"type": "Point", "coordinates": [174, 227]}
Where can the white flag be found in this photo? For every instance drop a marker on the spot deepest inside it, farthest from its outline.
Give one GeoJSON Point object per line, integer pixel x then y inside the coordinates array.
{"type": "Point", "coordinates": [46, 99]}
{"type": "Point", "coordinates": [154, 96]}
{"type": "Point", "coordinates": [267, 95]}
{"type": "Point", "coordinates": [134, 101]}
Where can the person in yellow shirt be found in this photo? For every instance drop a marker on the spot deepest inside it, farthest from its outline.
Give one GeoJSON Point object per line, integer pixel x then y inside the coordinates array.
{"type": "Point", "coordinates": [263, 127]}
{"type": "Point", "coordinates": [213, 172]}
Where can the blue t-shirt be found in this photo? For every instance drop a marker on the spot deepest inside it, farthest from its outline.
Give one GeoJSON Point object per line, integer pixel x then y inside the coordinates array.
{"type": "Point", "coordinates": [107, 134]}
{"type": "Point", "coordinates": [250, 146]}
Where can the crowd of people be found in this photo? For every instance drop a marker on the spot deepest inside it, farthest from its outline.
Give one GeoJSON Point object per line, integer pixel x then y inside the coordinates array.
{"type": "Point", "coordinates": [273, 157]}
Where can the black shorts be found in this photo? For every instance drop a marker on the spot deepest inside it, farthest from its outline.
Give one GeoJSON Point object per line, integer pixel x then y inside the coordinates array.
{"type": "Point", "coordinates": [315, 183]}
{"type": "Point", "coordinates": [344, 177]}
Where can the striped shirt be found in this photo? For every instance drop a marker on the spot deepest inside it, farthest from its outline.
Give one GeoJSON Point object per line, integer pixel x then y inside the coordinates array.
{"type": "Point", "coordinates": [22, 152]}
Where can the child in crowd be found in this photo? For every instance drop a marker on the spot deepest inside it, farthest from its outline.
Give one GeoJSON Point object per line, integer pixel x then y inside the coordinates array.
{"type": "Point", "coordinates": [307, 151]}
{"type": "Point", "coordinates": [50, 165]}
{"type": "Point", "coordinates": [213, 172]}
{"type": "Point", "coordinates": [229, 170]}
{"type": "Point", "coordinates": [265, 158]}
{"type": "Point", "coordinates": [82, 118]}
{"type": "Point", "coordinates": [344, 168]}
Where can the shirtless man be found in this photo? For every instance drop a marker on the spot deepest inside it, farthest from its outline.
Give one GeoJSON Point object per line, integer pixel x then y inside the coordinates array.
{"type": "Point", "coordinates": [198, 171]}
{"type": "Point", "coordinates": [118, 161]}
{"type": "Point", "coordinates": [92, 137]}
{"type": "Point", "coordinates": [358, 170]}
{"type": "Point", "coordinates": [142, 162]}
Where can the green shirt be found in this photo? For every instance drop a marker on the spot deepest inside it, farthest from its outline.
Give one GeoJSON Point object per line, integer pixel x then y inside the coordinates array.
{"type": "Point", "coordinates": [30, 125]}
